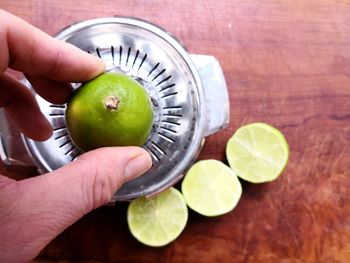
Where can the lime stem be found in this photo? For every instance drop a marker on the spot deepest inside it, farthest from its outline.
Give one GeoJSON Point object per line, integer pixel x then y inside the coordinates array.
{"type": "Point", "coordinates": [112, 102]}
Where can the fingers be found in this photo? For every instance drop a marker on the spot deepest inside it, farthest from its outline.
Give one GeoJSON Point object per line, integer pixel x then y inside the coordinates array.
{"type": "Point", "coordinates": [44, 206]}
{"type": "Point", "coordinates": [48, 63]}
{"type": "Point", "coordinates": [51, 90]}
{"type": "Point", "coordinates": [23, 109]}
{"type": "Point", "coordinates": [27, 49]}
{"type": "Point", "coordinates": [96, 175]}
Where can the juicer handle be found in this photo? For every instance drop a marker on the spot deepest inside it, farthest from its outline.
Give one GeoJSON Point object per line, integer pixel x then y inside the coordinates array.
{"type": "Point", "coordinates": [12, 149]}
{"type": "Point", "coordinates": [215, 92]}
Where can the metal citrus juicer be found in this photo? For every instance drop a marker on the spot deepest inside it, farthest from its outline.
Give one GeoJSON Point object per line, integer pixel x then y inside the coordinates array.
{"type": "Point", "coordinates": [188, 94]}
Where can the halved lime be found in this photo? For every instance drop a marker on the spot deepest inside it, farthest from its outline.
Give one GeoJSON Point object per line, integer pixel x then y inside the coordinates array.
{"type": "Point", "coordinates": [257, 152]}
{"type": "Point", "coordinates": [158, 220]}
{"type": "Point", "coordinates": [211, 188]}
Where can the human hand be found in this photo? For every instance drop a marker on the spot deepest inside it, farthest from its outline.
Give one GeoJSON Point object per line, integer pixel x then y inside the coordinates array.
{"type": "Point", "coordinates": [35, 210]}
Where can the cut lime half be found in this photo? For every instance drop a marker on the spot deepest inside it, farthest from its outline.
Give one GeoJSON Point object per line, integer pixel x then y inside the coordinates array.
{"type": "Point", "coordinates": [211, 188]}
{"type": "Point", "coordinates": [257, 152]}
{"type": "Point", "coordinates": [158, 220]}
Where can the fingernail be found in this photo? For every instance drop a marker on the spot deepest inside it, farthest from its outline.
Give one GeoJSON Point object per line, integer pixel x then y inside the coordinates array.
{"type": "Point", "coordinates": [137, 166]}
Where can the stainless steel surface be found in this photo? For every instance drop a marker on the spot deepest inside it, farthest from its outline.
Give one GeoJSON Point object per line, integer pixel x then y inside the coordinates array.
{"type": "Point", "coordinates": [183, 112]}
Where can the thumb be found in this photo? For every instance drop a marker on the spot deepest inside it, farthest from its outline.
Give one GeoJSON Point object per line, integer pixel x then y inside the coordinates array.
{"type": "Point", "coordinates": [35, 210]}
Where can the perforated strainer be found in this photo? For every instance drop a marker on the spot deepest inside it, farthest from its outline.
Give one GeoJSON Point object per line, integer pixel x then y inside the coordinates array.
{"type": "Point", "coordinates": [188, 93]}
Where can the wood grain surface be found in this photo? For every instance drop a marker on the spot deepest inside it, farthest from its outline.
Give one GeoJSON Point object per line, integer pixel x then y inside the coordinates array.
{"type": "Point", "coordinates": [286, 63]}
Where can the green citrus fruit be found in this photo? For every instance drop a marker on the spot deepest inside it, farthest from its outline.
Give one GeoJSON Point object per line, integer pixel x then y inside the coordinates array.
{"type": "Point", "coordinates": [257, 152]}
{"type": "Point", "coordinates": [110, 110]}
{"type": "Point", "coordinates": [211, 188]}
{"type": "Point", "coordinates": [158, 220]}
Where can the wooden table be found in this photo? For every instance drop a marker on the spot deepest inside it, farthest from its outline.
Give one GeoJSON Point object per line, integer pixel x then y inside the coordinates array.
{"type": "Point", "coordinates": [286, 63]}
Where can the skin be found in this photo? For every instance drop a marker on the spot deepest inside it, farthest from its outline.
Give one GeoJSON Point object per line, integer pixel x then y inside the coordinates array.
{"type": "Point", "coordinates": [35, 210]}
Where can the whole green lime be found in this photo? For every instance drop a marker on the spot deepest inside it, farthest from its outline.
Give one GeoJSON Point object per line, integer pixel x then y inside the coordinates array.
{"type": "Point", "coordinates": [110, 110]}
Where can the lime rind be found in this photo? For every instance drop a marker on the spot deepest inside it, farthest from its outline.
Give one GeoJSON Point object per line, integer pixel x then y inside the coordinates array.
{"type": "Point", "coordinates": [211, 188]}
{"type": "Point", "coordinates": [257, 152]}
{"type": "Point", "coordinates": [111, 110]}
{"type": "Point", "coordinates": [159, 220]}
